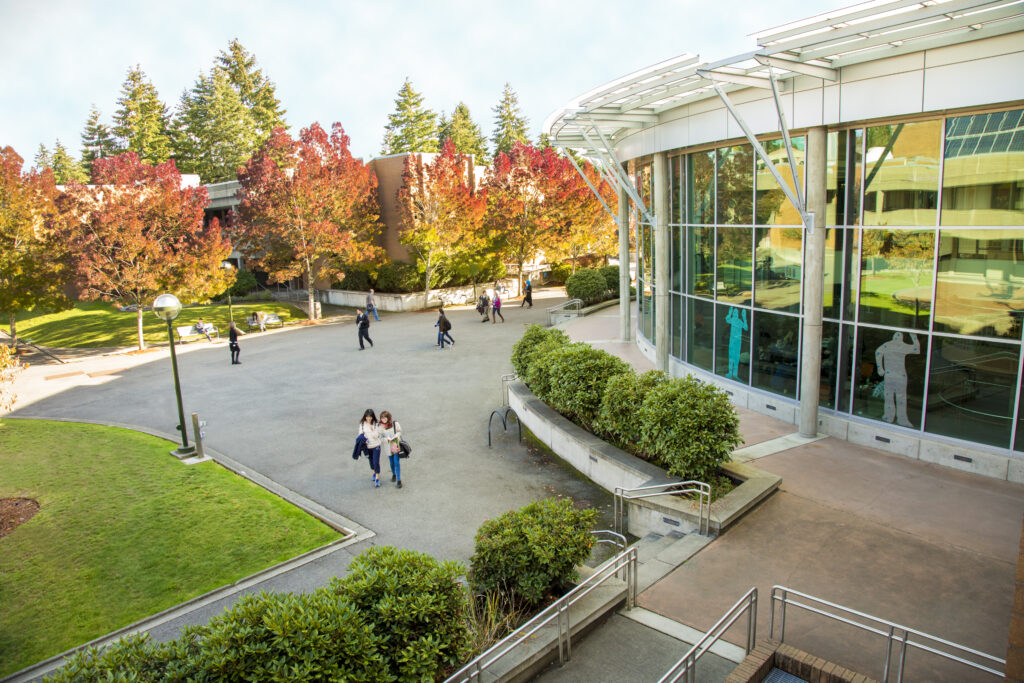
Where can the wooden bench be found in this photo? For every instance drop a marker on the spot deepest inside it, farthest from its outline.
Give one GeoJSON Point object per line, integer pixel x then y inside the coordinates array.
{"type": "Point", "coordinates": [268, 320]}
{"type": "Point", "coordinates": [189, 332]}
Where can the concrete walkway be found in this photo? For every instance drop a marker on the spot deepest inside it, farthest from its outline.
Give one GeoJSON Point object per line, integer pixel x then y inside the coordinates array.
{"type": "Point", "coordinates": [922, 545]}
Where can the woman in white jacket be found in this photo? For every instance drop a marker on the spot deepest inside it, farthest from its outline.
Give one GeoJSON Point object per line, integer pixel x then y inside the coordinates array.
{"type": "Point", "coordinates": [391, 435]}
{"type": "Point", "coordinates": [370, 428]}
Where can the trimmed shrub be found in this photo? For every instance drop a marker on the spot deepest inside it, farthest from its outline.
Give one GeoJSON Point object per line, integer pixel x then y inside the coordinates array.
{"type": "Point", "coordinates": [618, 419]}
{"type": "Point", "coordinates": [526, 555]}
{"type": "Point", "coordinates": [415, 605]}
{"type": "Point", "coordinates": [357, 279]}
{"type": "Point", "coordinates": [399, 277]}
{"type": "Point", "coordinates": [560, 274]}
{"type": "Point", "coordinates": [611, 277]}
{"type": "Point", "coordinates": [578, 375]}
{"type": "Point", "coordinates": [245, 282]}
{"type": "Point", "coordinates": [588, 285]}
{"type": "Point", "coordinates": [688, 427]}
{"type": "Point", "coordinates": [538, 369]}
{"type": "Point", "coordinates": [528, 345]}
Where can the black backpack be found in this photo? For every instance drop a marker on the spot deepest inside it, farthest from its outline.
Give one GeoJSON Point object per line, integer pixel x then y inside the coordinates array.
{"type": "Point", "coordinates": [445, 324]}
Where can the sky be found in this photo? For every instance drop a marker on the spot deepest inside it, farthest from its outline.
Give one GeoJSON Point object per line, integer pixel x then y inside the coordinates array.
{"type": "Point", "coordinates": [344, 61]}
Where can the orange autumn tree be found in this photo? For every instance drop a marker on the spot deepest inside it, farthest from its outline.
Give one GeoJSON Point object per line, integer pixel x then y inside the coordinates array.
{"type": "Point", "coordinates": [587, 227]}
{"type": "Point", "coordinates": [442, 210]}
{"type": "Point", "coordinates": [137, 232]}
{"type": "Point", "coordinates": [307, 207]}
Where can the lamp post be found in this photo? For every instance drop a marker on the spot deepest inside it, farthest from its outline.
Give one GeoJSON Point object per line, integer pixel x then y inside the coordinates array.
{"type": "Point", "coordinates": [228, 265]}
{"type": "Point", "coordinates": [167, 307]}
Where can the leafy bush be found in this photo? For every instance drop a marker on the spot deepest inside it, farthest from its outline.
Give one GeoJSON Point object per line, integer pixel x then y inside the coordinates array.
{"type": "Point", "coordinates": [415, 605]}
{"type": "Point", "coordinates": [588, 285]}
{"type": "Point", "coordinates": [524, 349]}
{"type": "Point", "coordinates": [618, 419]}
{"type": "Point", "coordinates": [245, 282]}
{"type": "Point", "coordinates": [611, 277]}
{"type": "Point", "coordinates": [539, 364]}
{"type": "Point", "coordinates": [357, 279]}
{"type": "Point", "coordinates": [525, 555]}
{"type": "Point", "coordinates": [578, 375]}
{"type": "Point", "coordinates": [560, 274]}
{"type": "Point", "coordinates": [688, 427]}
{"type": "Point", "coordinates": [399, 278]}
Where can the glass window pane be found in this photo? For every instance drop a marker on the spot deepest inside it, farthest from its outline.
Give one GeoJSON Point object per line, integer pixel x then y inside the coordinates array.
{"type": "Point", "coordinates": [979, 287]}
{"type": "Point", "coordinates": [773, 207]}
{"type": "Point", "coordinates": [891, 376]}
{"type": "Point", "coordinates": [700, 256]}
{"type": "Point", "coordinates": [644, 185]}
{"type": "Point", "coordinates": [832, 295]}
{"type": "Point", "coordinates": [700, 195]}
{"type": "Point", "coordinates": [829, 364]}
{"type": "Point", "coordinates": [896, 277]}
{"type": "Point", "coordinates": [647, 252]}
{"type": "Point", "coordinates": [675, 263]}
{"type": "Point", "coordinates": [776, 353]}
{"type": "Point", "coordinates": [835, 160]}
{"type": "Point", "coordinates": [855, 165]}
{"type": "Point", "coordinates": [971, 390]}
{"type": "Point", "coordinates": [736, 185]}
{"type": "Point", "coordinates": [676, 346]}
{"type": "Point", "coordinates": [701, 340]}
{"type": "Point", "coordinates": [779, 253]}
{"type": "Point", "coordinates": [851, 268]}
{"type": "Point", "coordinates": [901, 181]}
{"type": "Point", "coordinates": [732, 350]}
{"type": "Point", "coordinates": [677, 196]}
{"type": "Point", "coordinates": [846, 368]}
{"type": "Point", "coordinates": [983, 175]}
{"type": "Point", "coordinates": [733, 282]}
{"type": "Point", "coordinates": [647, 311]}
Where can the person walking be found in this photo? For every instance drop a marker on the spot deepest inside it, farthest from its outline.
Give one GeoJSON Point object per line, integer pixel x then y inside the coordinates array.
{"type": "Point", "coordinates": [363, 323]}
{"type": "Point", "coordinates": [528, 297]}
{"type": "Point", "coordinates": [371, 431]}
{"type": "Point", "coordinates": [496, 308]}
{"type": "Point", "coordinates": [233, 333]}
{"type": "Point", "coordinates": [443, 325]}
{"type": "Point", "coordinates": [483, 306]}
{"type": "Point", "coordinates": [371, 306]}
{"type": "Point", "coordinates": [391, 435]}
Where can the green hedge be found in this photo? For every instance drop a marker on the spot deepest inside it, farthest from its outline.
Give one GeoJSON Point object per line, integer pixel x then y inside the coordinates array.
{"type": "Point", "coordinates": [560, 274]}
{"type": "Point", "coordinates": [527, 555]}
{"type": "Point", "coordinates": [618, 420]}
{"type": "Point", "coordinates": [529, 345]}
{"type": "Point", "coordinates": [398, 277]}
{"type": "Point", "coordinates": [611, 277]}
{"type": "Point", "coordinates": [587, 284]}
{"type": "Point", "coordinates": [578, 374]}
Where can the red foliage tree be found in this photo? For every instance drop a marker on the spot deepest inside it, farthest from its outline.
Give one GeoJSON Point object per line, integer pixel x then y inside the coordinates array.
{"type": "Point", "coordinates": [137, 232]}
{"type": "Point", "coordinates": [307, 207]}
{"type": "Point", "coordinates": [442, 210]}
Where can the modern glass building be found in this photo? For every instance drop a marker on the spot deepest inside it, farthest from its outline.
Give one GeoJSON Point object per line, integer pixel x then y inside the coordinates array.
{"type": "Point", "coordinates": [832, 226]}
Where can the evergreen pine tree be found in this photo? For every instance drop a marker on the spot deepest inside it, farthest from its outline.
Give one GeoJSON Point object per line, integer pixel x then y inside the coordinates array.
{"type": "Point", "coordinates": [214, 133]}
{"type": "Point", "coordinates": [256, 91]}
{"type": "Point", "coordinates": [64, 166]}
{"type": "Point", "coordinates": [141, 122]}
{"type": "Point", "coordinates": [509, 122]}
{"type": "Point", "coordinates": [97, 141]}
{"type": "Point", "coordinates": [411, 128]}
{"type": "Point", "coordinates": [464, 133]}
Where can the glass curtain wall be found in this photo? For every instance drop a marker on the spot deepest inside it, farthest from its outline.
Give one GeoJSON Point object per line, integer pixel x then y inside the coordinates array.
{"type": "Point", "coordinates": [924, 272]}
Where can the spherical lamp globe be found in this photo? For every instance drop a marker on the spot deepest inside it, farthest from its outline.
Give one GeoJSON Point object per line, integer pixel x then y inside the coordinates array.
{"type": "Point", "coordinates": [167, 307]}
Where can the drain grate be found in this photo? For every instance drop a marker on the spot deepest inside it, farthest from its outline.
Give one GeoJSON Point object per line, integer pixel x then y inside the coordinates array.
{"type": "Point", "coordinates": [780, 676]}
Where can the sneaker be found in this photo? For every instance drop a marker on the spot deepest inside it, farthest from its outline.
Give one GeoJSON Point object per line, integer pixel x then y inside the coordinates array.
{"type": "Point", "coordinates": [399, 484]}
{"type": "Point", "coordinates": [393, 477]}
{"type": "Point", "coordinates": [376, 483]}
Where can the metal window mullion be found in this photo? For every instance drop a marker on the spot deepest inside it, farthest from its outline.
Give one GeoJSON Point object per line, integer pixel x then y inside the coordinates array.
{"type": "Point", "coordinates": [1015, 418]}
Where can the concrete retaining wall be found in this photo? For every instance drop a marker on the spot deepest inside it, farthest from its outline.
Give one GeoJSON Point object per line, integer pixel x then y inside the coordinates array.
{"type": "Point", "coordinates": [414, 301]}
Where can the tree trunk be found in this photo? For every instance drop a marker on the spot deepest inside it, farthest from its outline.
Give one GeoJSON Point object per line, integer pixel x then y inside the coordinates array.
{"type": "Point", "coordinates": [428, 273]}
{"type": "Point", "coordinates": [520, 264]}
{"type": "Point", "coordinates": [309, 291]}
{"type": "Point", "coordinates": [14, 333]}
{"type": "Point", "coordinates": [138, 325]}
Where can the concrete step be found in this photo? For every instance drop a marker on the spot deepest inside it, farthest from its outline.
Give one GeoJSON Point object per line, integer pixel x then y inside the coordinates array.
{"type": "Point", "coordinates": [658, 555]}
{"type": "Point", "coordinates": [652, 544]}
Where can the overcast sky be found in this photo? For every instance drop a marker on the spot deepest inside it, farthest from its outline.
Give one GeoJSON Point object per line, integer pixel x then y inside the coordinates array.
{"type": "Point", "coordinates": [345, 61]}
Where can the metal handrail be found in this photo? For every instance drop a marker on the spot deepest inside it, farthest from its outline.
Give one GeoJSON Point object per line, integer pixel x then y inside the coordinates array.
{"type": "Point", "coordinates": [505, 380]}
{"type": "Point", "coordinates": [687, 666]}
{"type": "Point", "coordinates": [504, 423]}
{"type": "Point", "coordinates": [890, 630]}
{"type": "Point", "coordinates": [563, 309]}
{"type": "Point", "coordinates": [609, 537]}
{"type": "Point", "coordinates": [557, 612]}
{"type": "Point", "coordinates": [673, 488]}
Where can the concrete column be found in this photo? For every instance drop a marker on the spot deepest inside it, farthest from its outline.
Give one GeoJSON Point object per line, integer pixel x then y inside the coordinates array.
{"type": "Point", "coordinates": [814, 284]}
{"type": "Point", "coordinates": [661, 260]}
{"type": "Point", "coordinates": [625, 324]}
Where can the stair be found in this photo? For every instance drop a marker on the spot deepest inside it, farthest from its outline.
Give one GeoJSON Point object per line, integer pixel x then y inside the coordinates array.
{"type": "Point", "coordinates": [658, 555]}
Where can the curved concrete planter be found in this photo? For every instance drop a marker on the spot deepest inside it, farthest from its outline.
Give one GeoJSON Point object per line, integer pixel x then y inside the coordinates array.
{"type": "Point", "coordinates": [610, 467]}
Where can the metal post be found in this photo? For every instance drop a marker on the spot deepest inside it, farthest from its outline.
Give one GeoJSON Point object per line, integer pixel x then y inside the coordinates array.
{"type": "Point", "coordinates": [782, 617]}
{"type": "Point", "coordinates": [185, 448]}
{"type": "Point", "coordinates": [625, 306]}
{"type": "Point", "coordinates": [231, 312]}
{"type": "Point", "coordinates": [661, 261]}
{"type": "Point", "coordinates": [752, 622]}
{"type": "Point", "coordinates": [903, 656]}
{"type": "Point", "coordinates": [888, 655]}
{"type": "Point", "coordinates": [197, 432]}
{"type": "Point", "coordinates": [814, 284]}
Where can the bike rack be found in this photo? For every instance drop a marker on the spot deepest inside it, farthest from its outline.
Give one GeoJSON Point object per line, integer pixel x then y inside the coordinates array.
{"type": "Point", "coordinates": [504, 423]}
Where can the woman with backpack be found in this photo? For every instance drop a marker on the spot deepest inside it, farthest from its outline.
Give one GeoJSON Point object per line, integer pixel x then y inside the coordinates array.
{"type": "Point", "coordinates": [496, 307]}
{"type": "Point", "coordinates": [370, 429]}
{"type": "Point", "coordinates": [391, 435]}
{"type": "Point", "coordinates": [443, 325]}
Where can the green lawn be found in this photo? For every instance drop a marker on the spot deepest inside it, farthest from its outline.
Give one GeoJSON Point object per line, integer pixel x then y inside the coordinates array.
{"type": "Point", "coordinates": [124, 531]}
{"type": "Point", "coordinates": [100, 324]}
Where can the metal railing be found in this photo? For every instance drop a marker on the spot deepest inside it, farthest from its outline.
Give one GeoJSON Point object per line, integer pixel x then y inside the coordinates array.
{"type": "Point", "coordinates": [700, 488]}
{"type": "Point", "coordinates": [557, 612]}
{"type": "Point", "coordinates": [609, 537]}
{"type": "Point", "coordinates": [894, 634]}
{"type": "Point", "coordinates": [687, 666]}
{"type": "Point", "coordinates": [573, 308]}
{"type": "Point", "coordinates": [505, 381]}
{"type": "Point", "coordinates": [504, 423]}
{"type": "Point", "coordinates": [29, 342]}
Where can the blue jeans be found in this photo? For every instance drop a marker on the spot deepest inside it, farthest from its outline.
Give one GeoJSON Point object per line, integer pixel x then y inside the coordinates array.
{"type": "Point", "coordinates": [396, 468]}
{"type": "Point", "coordinates": [373, 309]}
{"type": "Point", "coordinates": [374, 454]}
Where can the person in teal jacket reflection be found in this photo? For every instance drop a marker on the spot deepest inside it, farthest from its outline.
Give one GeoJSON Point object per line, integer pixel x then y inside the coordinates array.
{"type": "Point", "coordinates": [736, 318]}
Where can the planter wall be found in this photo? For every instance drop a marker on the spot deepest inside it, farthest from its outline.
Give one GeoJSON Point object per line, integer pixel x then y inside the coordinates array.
{"type": "Point", "coordinates": [610, 467]}
{"type": "Point", "coordinates": [414, 301]}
